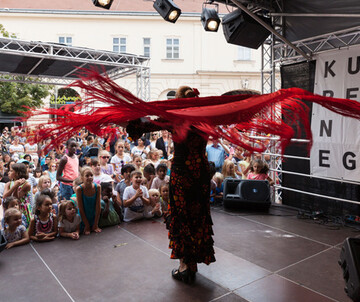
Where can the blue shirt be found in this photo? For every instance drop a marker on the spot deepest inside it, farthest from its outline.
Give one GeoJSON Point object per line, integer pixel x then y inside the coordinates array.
{"type": "Point", "coordinates": [216, 155]}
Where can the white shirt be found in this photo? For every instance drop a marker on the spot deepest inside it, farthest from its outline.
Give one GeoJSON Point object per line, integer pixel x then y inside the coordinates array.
{"type": "Point", "coordinates": [129, 214]}
{"type": "Point", "coordinates": [120, 162]}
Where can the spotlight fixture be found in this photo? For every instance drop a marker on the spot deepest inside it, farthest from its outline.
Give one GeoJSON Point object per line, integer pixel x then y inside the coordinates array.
{"type": "Point", "coordinates": [210, 18]}
{"type": "Point", "coordinates": [167, 9]}
{"type": "Point", "coordinates": [103, 3]}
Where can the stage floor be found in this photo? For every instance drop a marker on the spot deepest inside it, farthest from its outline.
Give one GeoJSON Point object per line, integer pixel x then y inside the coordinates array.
{"type": "Point", "coordinates": [261, 257]}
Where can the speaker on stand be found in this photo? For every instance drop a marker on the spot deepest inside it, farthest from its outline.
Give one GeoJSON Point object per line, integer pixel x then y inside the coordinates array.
{"type": "Point", "coordinates": [241, 29]}
{"type": "Point", "coordinates": [246, 194]}
{"type": "Point", "coordinates": [350, 264]}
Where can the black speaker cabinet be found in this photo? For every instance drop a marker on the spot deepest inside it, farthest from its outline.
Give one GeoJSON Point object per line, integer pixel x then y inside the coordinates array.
{"type": "Point", "coordinates": [350, 264]}
{"type": "Point", "coordinates": [241, 29]}
{"type": "Point", "coordinates": [246, 194]}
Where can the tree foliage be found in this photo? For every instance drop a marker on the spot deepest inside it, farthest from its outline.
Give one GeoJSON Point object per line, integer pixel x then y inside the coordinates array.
{"type": "Point", "coordinates": [14, 96]}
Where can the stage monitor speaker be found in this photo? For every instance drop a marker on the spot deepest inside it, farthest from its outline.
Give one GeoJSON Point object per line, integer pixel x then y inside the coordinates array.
{"type": "Point", "coordinates": [246, 194]}
{"type": "Point", "coordinates": [350, 264]}
{"type": "Point", "coordinates": [241, 29]}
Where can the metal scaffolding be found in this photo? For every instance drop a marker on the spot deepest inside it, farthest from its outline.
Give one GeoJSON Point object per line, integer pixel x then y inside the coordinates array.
{"type": "Point", "coordinates": [58, 64]}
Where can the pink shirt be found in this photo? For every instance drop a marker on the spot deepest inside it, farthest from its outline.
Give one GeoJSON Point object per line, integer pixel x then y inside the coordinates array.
{"type": "Point", "coordinates": [71, 169]}
{"type": "Point", "coordinates": [254, 176]}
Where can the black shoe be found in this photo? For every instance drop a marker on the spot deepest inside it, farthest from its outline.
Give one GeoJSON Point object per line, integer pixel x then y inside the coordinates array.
{"type": "Point", "coordinates": [185, 276]}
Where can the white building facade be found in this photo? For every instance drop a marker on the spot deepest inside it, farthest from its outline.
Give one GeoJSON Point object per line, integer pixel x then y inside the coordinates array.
{"type": "Point", "coordinates": [180, 54]}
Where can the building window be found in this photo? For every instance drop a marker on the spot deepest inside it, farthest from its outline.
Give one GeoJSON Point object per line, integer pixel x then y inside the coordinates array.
{"type": "Point", "coordinates": [171, 95]}
{"type": "Point", "coordinates": [147, 47]}
{"type": "Point", "coordinates": [172, 48]}
{"type": "Point", "coordinates": [66, 40]}
{"type": "Point", "coordinates": [244, 53]}
{"type": "Point", "coordinates": [119, 45]}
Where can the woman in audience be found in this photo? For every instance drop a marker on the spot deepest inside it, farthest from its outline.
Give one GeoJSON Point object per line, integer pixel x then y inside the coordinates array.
{"type": "Point", "coordinates": [20, 188]}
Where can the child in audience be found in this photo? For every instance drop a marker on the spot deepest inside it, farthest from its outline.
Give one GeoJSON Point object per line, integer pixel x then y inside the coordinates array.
{"type": "Point", "coordinates": [9, 203]}
{"type": "Point", "coordinates": [244, 166]}
{"type": "Point", "coordinates": [228, 169]}
{"type": "Point", "coordinates": [77, 182]}
{"type": "Point", "coordinates": [258, 171]}
{"type": "Point", "coordinates": [153, 157]}
{"type": "Point", "coordinates": [154, 208]}
{"type": "Point", "coordinates": [88, 199]}
{"type": "Point", "coordinates": [52, 171]}
{"type": "Point", "coordinates": [106, 168]}
{"type": "Point", "coordinates": [161, 177]}
{"type": "Point", "coordinates": [111, 213]}
{"type": "Point", "coordinates": [125, 182]}
{"type": "Point", "coordinates": [216, 195]}
{"type": "Point", "coordinates": [164, 198]}
{"type": "Point", "coordinates": [43, 183]}
{"type": "Point", "coordinates": [137, 161]}
{"type": "Point", "coordinates": [69, 220]}
{"type": "Point", "coordinates": [119, 159]}
{"type": "Point", "coordinates": [15, 233]}
{"type": "Point", "coordinates": [37, 174]}
{"type": "Point", "coordinates": [99, 177]}
{"type": "Point", "coordinates": [149, 174]}
{"type": "Point", "coordinates": [135, 197]}
{"type": "Point", "coordinates": [44, 224]}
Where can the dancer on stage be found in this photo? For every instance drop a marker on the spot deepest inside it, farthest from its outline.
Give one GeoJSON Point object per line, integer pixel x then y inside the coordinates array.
{"type": "Point", "coordinates": [191, 121]}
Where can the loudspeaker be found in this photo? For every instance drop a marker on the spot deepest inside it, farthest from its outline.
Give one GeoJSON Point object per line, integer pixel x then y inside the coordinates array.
{"type": "Point", "coordinates": [350, 264]}
{"type": "Point", "coordinates": [240, 29]}
{"type": "Point", "coordinates": [246, 194]}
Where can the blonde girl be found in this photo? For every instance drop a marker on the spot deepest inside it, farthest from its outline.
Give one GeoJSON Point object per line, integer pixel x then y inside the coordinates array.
{"type": "Point", "coordinates": [155, 207]}
{"type": "Point", "coordinates": [137, 161]}
{"type": "Point", "coordinates": [119, 159]}
{"type": "Point", "coordinates": [88, 199]}
{"type": "Point", "coordinates": [15, 232]}
{"type": "Point", "coordinates": [69, 220]}
{"type": "Point", "coordinates": [20, 188]}
{"type": "Point", "coordinates": [52, 171]}
{"type": "Point", "coordinates": [154, 157]}
{"type": "Point", "coordinates": [44, 224]}
{"type": "Point", "coordinates": [106, 168]}
{"type": "Point", "coordinates": [43, 184]}
{"type": "Point", "coordinates": [228, 169]}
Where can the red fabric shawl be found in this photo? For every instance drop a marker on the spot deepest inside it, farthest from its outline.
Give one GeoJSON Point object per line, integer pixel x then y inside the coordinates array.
{"type": "Point", "coordinates": [230, 117]}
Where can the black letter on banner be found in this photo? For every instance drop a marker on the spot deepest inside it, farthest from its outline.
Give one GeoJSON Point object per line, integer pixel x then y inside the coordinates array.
{"type": "Point", "coordinates": [349, 95]}
{"type": "Point", "coordinates": [351, 165]}
{"type": "Point", "coordinates": [329, 93]}
{"type": "Point", "coordinates": [328, 68]}
{"type": "Point", "coordinates": [324, 127]}
{"type": "Point", "coordinates": [357, 69]}
{"type": "Point", "coordinates": [322, 158]}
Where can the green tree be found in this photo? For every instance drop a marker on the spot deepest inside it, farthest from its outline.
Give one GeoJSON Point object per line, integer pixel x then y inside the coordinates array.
{"type": "Point", "coordinates": [14, 96]}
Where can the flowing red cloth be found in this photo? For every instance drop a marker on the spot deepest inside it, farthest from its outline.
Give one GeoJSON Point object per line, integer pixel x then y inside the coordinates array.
{"type": "Point", "coordinates": [230, 117]}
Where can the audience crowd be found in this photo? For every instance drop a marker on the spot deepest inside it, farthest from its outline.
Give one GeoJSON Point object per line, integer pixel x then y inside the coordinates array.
{"type": "Point", "coordinates": [92, 182]}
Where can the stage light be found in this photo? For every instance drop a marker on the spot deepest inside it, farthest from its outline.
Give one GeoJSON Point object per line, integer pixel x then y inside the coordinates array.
{"type": "Point", "coordinates": [168, 10]}
{"type": "Point", "coordinates": [209, 18]}
{"type": "Point", "coordinates": [103, 3]}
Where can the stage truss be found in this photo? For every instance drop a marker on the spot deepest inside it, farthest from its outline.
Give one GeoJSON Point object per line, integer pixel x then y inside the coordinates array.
{"type": "Point", "coordinates": [57, 64]}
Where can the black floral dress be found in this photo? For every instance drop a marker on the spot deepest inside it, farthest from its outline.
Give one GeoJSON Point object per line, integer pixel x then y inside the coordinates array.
{"type": "Point", "coordinates": [190, 224]}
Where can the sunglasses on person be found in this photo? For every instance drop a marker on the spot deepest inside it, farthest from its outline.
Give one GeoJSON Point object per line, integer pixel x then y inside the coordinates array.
{"type": "Point", "coordinates": [154, 134]}
{"type": "Point", "coordinates": [105, 157]}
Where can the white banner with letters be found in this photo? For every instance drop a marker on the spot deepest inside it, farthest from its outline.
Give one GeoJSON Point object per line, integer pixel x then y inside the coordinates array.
{"type": "Point", "coordinates": [336, 149]}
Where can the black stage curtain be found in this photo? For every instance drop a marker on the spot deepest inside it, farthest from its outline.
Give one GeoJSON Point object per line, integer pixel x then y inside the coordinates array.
{"type": "Point", "coordinates": [302, 75]}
